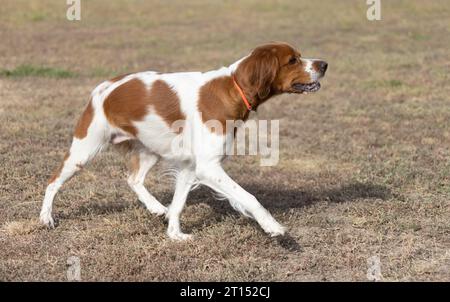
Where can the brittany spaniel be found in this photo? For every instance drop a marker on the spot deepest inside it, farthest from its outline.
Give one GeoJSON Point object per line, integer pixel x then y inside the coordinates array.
{"type": "Point", "coordinates": [139, 111]}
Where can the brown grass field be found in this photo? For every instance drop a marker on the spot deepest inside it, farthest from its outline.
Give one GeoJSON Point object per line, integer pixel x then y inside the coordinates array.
{"type": "Point", "coordinates": [364, 163]}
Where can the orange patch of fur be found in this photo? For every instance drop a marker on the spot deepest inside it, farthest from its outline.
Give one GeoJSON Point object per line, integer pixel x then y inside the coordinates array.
{"type": "Point", "coordinates": [166, 102]}
{"type": "Point", "coordinates": [132, 101]}
{"type": "Point", "coordinates": [57, 172]}
{"type": "Point", "coordinates": [84, 122]}
{"type": "Point", "coordinates": [134, 163]}
{"type": "Point", "coordinates": [219, 101]}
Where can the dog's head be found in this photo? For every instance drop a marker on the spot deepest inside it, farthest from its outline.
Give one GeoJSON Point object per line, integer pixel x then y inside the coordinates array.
{"type": "Point", "coordinates": [279, 68]}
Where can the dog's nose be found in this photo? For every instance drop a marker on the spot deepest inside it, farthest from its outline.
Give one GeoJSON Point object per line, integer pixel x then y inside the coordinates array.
{"type": "Point", "coordinates": [323, 66]}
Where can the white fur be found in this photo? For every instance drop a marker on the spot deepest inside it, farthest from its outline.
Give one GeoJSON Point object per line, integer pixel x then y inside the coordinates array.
{"type": "Point", "coordinates": [309, 69]}
{"type": "Point", "coordinates": [199, 163]}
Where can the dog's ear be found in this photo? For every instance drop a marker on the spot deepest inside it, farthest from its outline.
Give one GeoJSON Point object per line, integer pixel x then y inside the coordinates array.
{"type": "Point", "coordinates": [258, 71]}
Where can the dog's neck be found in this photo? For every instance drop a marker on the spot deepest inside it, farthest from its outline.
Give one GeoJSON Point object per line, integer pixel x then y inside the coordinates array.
{"type": "Point", "coordinates": [251, 95]}
{"type": "Point", "coordinates": [234, 107]}
{"type": "Point", "coordinates": [224, 96]}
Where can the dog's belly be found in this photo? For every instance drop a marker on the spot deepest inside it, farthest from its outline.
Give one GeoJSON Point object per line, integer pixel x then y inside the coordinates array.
{"type": "Point", "coordinates": [167, 142]}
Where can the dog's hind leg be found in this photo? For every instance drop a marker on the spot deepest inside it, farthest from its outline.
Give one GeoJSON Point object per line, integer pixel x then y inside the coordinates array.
{"type": "Point", "coordinates": [141, 162]}
{"type": "Point", "coordinates": [90, 136]}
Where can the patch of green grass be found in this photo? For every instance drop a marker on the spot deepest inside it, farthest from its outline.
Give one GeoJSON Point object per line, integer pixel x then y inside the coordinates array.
{"type": "Point", "coordinates": [37, 17]}
{"type": "Point", "coordinates": [27, 70]}
{"type": "Point", "coordinates": [102, 72]}
{"type": "Point", "coordinates": [419, 37]}
{"type": "Point", "coordinates": [413, 226]}
{"type": "Point", "coordinates": [394, 83]}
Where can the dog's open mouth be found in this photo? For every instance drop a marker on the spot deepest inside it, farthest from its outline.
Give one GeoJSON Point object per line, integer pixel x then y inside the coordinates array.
{"type": "Point", "coordinates": [310, 87]}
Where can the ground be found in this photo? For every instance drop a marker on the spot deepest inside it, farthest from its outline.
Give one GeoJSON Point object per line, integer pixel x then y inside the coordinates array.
{"type": "Point", "coordinates": [364, 163]}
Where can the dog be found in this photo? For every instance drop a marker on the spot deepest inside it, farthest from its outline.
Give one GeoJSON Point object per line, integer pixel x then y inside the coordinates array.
{"type": "Point", "coordinates": [138, 111]}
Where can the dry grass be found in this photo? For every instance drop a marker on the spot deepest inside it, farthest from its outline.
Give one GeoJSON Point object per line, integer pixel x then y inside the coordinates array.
{"type": "Point", "coordinates": [364, 167]}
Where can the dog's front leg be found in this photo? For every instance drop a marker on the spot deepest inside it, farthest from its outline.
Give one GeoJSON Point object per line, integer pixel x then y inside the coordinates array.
{"type": "Point", "coordinates": [216, 178]}
{"type": "Point", "coordinates": [184, 182]}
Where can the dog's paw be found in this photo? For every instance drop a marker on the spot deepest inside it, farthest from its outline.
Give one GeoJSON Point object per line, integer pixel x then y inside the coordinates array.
{"type": "Point", "coordinates": [46, 219]}
{"type": "Point", "coordinates": [157, 209]}
{"type": "Point", "coordinates": [179, 236]}
{"type": "Point", "coordinates": [154, 207]}
{"type": "Point", "coordinates": [277, 231]}
{"type": "Point", "coordinates": [273, 228]}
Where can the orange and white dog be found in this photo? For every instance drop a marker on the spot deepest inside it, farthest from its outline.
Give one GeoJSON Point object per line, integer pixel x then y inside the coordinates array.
{"type": "Point", "coordinates": [138, 110]}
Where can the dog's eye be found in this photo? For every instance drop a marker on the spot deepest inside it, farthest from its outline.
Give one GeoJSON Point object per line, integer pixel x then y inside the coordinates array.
{"type": "Point", "coordinates": [293, 60]}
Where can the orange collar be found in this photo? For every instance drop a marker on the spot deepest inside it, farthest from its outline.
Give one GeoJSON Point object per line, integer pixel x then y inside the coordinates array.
{"type": "Point", "coordinates": [244, 98]}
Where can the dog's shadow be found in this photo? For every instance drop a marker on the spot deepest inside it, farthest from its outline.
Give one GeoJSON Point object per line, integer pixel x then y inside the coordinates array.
{"type": "Point", "coordinates": [271, 196]}
{"type": "Point", "coordinates": [278, 200]}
